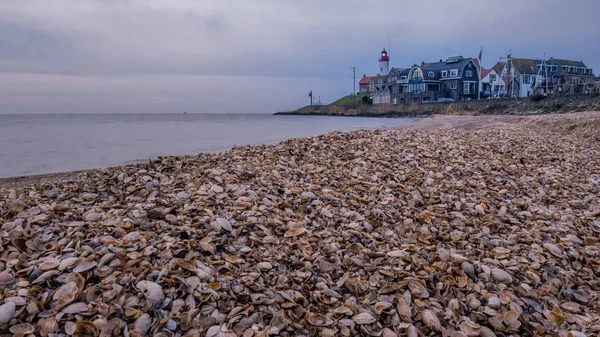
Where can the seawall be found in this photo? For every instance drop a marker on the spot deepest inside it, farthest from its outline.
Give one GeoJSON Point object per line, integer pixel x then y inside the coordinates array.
{"type": "Point", "coordinates": [506, 106]}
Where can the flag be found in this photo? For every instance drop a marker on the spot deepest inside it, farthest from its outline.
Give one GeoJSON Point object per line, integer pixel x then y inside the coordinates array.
{"type": "Point", "coordinates": [480, 54]}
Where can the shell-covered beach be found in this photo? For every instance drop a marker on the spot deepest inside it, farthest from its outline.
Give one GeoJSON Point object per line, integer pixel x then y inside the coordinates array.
{"type": "Point", "coordinates": [472, 226]}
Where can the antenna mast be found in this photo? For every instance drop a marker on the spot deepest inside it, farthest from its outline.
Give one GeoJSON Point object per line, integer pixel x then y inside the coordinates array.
{"type": "Point", "coordinates": [508, 68]}
{"type": "Point", "coordinates": [353, 81]}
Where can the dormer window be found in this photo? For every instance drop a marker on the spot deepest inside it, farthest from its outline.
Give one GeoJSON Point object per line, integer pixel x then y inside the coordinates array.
{"type": "Point", "coordinates": [444, 73]}
{"type": "Point", "coordinates": [454, 73]}
{"type": "Point", "coordinates": [431, 74]}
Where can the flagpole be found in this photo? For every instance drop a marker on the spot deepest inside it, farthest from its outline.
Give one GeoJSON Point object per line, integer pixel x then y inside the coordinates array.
{"type": "Point", "coordinates": [479, 75]}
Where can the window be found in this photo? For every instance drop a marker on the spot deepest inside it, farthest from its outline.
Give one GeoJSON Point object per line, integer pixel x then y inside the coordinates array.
{"type": "Point", "coordinates": [444, 73]}
{"type": "Point", "coordinates": [416, 88]}
{"type": "Point", "coordinates": [453, 86]}
{"type": "Point", "coordinates": [431, 74]}
{"type": "Point", "coordinates": [416, 75]}
{"type": "Point", "coordinates": [492, 78]}
{"type": "Point", "coordinates": [403, 78]}
{"type": "Point", "coordinates": [469, 73]}
{"type": "Point", "coordinates": [453, 72]}
{"type": "Point", "coordinates": [444, 87]}
{"type": "Point", "coordinates": [466, 88]}
{"type": "Point", "coordinates": [371, 81]}
{"type": "Point", "coordinates": [379, 81]}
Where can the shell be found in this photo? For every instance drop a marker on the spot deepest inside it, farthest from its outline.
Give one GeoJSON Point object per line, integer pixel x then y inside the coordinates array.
{"type": "Point", "coordinates": [49, 264]}
{"type": "Point", "coordinates": [224, 224]}
{"type": "Point", "coordinates": [404, 310]}
{"type": "Point", "coordinates": [364, 318]}
{"type": "Point", "coordinates": [65, 294]}
{"type": "Point", "coordinates": [7, 310]}
{"type": "Point", "coordinates": [431, 320]}
{"type": "Point", "coordinates": [6, 279]}
{"type": "Point", "coordinates": [294, 232]}
{"type": "Point", "coordinates": [487, 228]}
{"type": "Point", "coordinates": [142, 324]}
{"type": "Point", "coordinates": [319, 320]}
{"type": "Point", "coordinates": [152, 291]}
{"type": "Point", "coordinates": [501, 275]}
{"type": "Point", "coordinates": [75, 308]}
{"type": "Point", "coordinates": [24, 328]}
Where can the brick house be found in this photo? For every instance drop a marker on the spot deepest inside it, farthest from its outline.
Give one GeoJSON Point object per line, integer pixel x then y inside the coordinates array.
{"type": "Point", "coordinates": [365, 86]}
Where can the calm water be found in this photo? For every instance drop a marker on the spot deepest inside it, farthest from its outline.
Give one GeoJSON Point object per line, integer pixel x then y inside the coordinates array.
{"type": "Point", "coordinates": [34, 144]}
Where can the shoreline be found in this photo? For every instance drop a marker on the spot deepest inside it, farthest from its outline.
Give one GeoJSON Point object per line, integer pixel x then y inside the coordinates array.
{"type": "Point", "coordinates": [523, 106]}
{"type": "Point", "coordinates": [423, 123]}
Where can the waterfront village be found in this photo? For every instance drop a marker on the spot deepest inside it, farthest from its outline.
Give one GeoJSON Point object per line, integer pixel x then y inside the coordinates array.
{"type": "Point", "coordinates": [459, 78]}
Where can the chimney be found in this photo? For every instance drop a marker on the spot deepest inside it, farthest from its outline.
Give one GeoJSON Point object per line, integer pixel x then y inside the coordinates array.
{"type": "Point", "coordinates": [422, 63]}
{"type": "Point", "coordinates": [441, 61]}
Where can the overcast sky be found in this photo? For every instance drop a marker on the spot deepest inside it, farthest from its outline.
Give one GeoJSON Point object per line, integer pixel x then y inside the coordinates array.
{"type": "Point", "coordinates": [256, 55]}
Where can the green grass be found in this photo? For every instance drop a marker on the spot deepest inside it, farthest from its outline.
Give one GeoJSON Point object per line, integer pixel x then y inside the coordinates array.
{"type": "Point", "coordinates": [344, 100]}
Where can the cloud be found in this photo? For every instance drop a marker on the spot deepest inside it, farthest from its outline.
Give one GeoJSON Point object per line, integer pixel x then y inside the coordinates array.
{"type": "Point", "coordinates": [258, 41]}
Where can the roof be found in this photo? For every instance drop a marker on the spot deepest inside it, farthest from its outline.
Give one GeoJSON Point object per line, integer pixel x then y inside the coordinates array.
{"type": "Point", "coordinates": [445, 66]}
{"type": "Point", "coordinates": [498, 67]}
{"type": "Point", "coordinates": [485, 72]}
{"type": "Point", "coordinates": [569, 63]}
{"type": "Point", "coordinates": [525, 66]}
{"type": "Point", "coordinates": [365, 80]}
{"type": "Point", "coordinates": [404, 72]}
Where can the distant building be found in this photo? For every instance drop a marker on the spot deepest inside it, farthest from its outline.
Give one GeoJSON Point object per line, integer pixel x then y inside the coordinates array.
{"type": "Point", "coordinates": [456, 78]}
{"type": "Point", "coordinates": [521, 76]}
{"type": "Point", "coordinates": [573, 72]}
{"type": "Point", "coordinates": [382, 89]}
{"type": "Point", "coordinates": [365, 86]}
{"type": "Point", "coordinates": [491, 84]}
{"type": "Point", "coordinates": [384, 63]}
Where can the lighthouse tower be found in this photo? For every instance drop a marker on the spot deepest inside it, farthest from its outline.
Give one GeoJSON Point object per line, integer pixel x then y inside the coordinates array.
{"type": "Point", "coordinates": [384, 63]}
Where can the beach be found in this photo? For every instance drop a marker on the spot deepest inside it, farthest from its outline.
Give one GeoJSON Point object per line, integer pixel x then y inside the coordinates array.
{"type": "Point", "coordinates": [452, 225]}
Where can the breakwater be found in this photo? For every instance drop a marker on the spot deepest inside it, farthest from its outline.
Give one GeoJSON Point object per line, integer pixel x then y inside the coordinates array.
{"type": "Point", "coordinates": [507, 106]}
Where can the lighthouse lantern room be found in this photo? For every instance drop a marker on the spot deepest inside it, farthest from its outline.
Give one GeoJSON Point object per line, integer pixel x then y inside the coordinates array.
{"type": "Point", "coordinates": [384, 63]}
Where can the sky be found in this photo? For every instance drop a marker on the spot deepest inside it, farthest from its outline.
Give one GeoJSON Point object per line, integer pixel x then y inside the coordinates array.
{"type": "Point", "coordinates": [256, 56]}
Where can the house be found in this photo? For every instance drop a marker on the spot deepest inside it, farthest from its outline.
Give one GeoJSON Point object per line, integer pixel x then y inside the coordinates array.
{"type": "Point", "coordinates": [490, 83]}
{"type": "Point", "coordinates": [456, 77]}
{"type": "Point", "coordinates": [365, 86]}
{"type": "Point", "coordinates": [522, 76]}
{"type": "Point", "coordinates": [382, 92]}
{"type": "Point", "coordinates": [573, 72]}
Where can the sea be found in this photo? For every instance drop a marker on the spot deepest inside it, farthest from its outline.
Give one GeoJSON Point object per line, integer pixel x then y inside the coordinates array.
{"type": "Point", "coordinates": [49, 143]}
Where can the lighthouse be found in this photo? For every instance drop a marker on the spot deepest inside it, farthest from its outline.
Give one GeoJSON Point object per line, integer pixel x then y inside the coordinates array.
{"type": "Point", "coordinates": [384, 63]}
